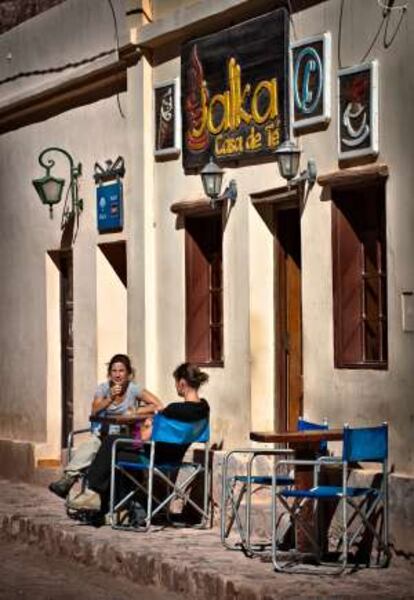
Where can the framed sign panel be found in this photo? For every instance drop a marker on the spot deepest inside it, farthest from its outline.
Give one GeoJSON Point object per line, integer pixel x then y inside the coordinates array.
{"type": "Point", "coordinates": [311, 81]}
{"type": "Point", "coordinates": [109, 207]}
{"type": "Point", "coordinates": [234, 98]}
{"type": "Point", "coordinates": [167, 142]}
{"type": "Point", "coordinates": [358, 110]}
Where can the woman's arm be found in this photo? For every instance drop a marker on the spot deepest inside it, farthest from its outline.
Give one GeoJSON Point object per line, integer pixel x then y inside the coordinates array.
{"type": "Point", "coordinates": [151, 401]}
{"type": "Point", "coordinates": [103, 402]}
{"type": "Point", "coordinates": [100, 403]}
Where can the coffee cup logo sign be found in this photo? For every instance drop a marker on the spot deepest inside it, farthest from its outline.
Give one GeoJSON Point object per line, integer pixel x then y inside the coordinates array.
{"type": "Point", "coordinates": [358, 111]}
{"type": "Point", "coordinates": [311, 68]}
{"type": "Point", "coordinates": [354, 119]}
{"type": "Point", "coordinates": [167, 123]}
{"type": "Point", "coordinates": [234, 96]}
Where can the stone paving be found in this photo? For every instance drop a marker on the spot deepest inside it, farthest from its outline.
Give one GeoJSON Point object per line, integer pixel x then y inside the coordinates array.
{"type": "Point", "coordinates": [191, 562]}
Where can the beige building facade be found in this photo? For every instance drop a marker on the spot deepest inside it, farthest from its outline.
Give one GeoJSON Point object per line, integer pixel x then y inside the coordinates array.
{"type": "Point", "coordinates": [128, 290]}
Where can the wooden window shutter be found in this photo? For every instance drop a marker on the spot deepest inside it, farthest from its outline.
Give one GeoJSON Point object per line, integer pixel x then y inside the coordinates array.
{"type": "Point", "coordinates": [347, 290]}
{"type": "Point", "coordinates": [204, 289]}
{"type": "Point", "coordinates": [197, 300]}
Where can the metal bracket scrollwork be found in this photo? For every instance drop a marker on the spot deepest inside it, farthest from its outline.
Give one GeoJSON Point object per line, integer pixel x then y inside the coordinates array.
{"type": "Point", "coordinates": [113, 170]}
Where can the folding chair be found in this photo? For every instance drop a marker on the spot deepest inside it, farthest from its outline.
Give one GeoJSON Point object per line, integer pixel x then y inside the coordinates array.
{"type": "Point", "coordinates": [144, 472]}
{"type": "Point", "coordinates": [236, 487]}
{"type": "Point", "coordinates": [366, 444]}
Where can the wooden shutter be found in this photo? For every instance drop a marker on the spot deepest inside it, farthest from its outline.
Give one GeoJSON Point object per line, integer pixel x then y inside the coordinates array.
{"type": "Point", "coordinates": [204, 289]}
{"type": "Point", "coordinates": [346, 289]}
{"type": "Point", "coordinates": [197, 297]}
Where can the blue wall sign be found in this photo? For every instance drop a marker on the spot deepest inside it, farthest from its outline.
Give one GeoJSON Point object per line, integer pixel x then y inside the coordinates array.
{"type": "Point", "coordinates": [109, 207]}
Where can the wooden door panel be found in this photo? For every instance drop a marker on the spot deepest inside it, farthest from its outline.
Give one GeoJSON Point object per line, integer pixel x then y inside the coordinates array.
{"type": "Point", "coordinates": [288, 319]}
{"type": "Point", "coordinates": [294, 350]}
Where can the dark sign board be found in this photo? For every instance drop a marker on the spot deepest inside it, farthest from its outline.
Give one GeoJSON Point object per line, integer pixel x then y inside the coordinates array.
{"type": "Point", "coordinates": [167, 124]}
{"type": "Point", "coordinates": [109, 208]}
{"type": "Point", "coordinates": [358, 111]}
{"type": "Point", "coordinates": [311, 70]}
{"type": "Point", "coordinates": [235, 102]}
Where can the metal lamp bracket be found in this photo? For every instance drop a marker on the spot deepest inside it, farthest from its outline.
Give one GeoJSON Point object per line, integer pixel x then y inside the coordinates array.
{"type": "Point", "coordinates": [113, 170]}
{"type": "Point", "coordinates": [230, 194]}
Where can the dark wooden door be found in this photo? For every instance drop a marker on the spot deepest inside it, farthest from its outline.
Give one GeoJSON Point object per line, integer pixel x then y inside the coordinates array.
{"type": "Point", "coordinates": [289, 392]}
{"type": "Point", "coordinates": [66, 324]}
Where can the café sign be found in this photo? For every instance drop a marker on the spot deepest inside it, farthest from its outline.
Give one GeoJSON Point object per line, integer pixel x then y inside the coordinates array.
{"type": "Point", "coordinates": [234, 93]}
{"type": "Point", "coordinates": [311, 81]}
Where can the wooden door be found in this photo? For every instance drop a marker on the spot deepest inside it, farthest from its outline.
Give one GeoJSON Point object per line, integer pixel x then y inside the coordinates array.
{"type": "Point", "coordinates": [66, 325]}
{"type": "Point", "coordinates": [288, 306]}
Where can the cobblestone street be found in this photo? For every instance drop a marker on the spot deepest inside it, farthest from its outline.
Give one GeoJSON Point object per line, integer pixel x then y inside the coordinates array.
{"type": "Point", "coordinates": [27, 574]}
{"type": "Point", "coordinates": [191, 563]}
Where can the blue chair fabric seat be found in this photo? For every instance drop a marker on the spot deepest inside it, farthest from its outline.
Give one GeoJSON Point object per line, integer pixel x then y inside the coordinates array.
{"type": "Point", "coordinates": [328, 491]}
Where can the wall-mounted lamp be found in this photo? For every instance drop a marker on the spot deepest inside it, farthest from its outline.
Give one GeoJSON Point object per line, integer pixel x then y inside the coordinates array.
{"type": "Point", "coordinates": [212, 177]}
{"type": "Point", "coordinates": [288, 156]}
{"type": "Point", "coordinates": [50, 188]}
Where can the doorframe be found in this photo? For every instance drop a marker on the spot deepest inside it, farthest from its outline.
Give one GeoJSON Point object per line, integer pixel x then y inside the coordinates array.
{"type": "Point", "coordinates": [277, 199]}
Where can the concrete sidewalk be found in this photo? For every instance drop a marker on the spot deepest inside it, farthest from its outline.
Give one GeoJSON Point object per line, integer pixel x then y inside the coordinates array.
{"type": "Point", "coordinates": [191, 562]}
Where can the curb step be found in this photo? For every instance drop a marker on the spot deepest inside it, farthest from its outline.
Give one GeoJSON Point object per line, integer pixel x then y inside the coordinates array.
{"type": "Point", "coordinates": [148, 569]}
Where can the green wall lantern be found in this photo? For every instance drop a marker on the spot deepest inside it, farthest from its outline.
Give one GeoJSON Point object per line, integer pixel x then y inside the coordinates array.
{"type": "Point", "coordinates": [50, 188]}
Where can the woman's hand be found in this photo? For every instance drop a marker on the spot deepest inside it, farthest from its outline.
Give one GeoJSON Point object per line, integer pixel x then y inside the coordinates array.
{"type": "Point", "coordinates": [116, 390]}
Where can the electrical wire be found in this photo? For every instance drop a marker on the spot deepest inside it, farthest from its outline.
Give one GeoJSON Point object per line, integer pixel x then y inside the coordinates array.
{"type": "Point", "coordinates": [59, 69]}
{"type": "Point", "coordinates": [390, 6]}
{"type": "Point", "coordinates": [295, 37]}
{"type": "Point", "coordinates": [387, 43]}
{"type": "Point", "coordinates": [341, 12]}
{"type": "Point", "coordinates": [385, 19]}
{"type": "Point", "coordinates": [118, 100]}
{"type": "Point", "coordinates": [374, 39]}
{"type": "Point", "coordinates": [74, 65]}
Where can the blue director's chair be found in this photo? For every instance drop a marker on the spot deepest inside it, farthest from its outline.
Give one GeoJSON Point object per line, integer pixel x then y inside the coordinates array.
{"type": "Point", "coordinates": [145, 474]}
{"type": "Point", "coordinates": [367, 504]}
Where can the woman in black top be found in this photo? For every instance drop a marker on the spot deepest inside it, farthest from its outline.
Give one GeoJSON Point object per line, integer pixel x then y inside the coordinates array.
{"type": "Point", "coordinates": [188, 379]}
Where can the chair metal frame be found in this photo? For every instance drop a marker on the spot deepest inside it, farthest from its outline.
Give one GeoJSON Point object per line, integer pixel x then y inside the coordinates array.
{"type": "Point", "coordinates": [249, 485]}
{"type": "Point", "coordinates": [345, 494]}
{"type": "Point", "coordinates": [229, 498]}
{"type": "Point", "coordinates": [162, 472]}
{"type": "Point", "coordinates": [71, 512]}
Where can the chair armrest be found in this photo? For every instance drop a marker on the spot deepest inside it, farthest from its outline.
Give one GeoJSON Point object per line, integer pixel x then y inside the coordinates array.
{"type": "Point", "coordinates": [257, 452]}
{"type": "Point", "coordinates": [254, 453]}
{"type": "Point", "coordinates": [330, 460]}
{"type": "Point", "coordinates": [316, 464]}
{"type": "Point", "coordinates": [72, 434]}
{"type": "Point", "coordinates": [130, 442]}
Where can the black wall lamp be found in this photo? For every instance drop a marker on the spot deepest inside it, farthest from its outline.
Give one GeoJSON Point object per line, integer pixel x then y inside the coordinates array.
{"type": "Point", "coordinates": [50, 188]}
{"type": "Point", "coordinates": [288, 157]}
{"type": "Point", "coordinates": [212, 178]}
